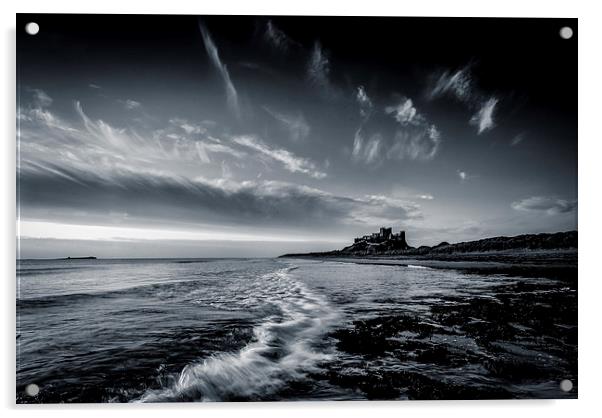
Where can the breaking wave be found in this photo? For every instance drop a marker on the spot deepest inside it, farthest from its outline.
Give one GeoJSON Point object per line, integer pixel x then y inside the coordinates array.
{"type": "Point", "coordinates": [283, 349]}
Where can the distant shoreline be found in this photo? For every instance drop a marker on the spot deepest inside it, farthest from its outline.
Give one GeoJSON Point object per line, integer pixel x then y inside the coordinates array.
{"type": "Point", "coordinates": [515, 245]}
{"type": "Point", "coordinates": [558, 264]}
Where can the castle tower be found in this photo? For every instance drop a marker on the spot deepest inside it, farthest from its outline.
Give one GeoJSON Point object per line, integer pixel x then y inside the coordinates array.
{"type": "Point", "coordinates": [402, 239]}
{"type": "Point", "coordinates": [385, 233]}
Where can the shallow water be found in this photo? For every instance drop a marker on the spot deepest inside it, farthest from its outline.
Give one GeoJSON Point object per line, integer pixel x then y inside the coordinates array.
{"type": "Point", "coordinates": [264, 329]}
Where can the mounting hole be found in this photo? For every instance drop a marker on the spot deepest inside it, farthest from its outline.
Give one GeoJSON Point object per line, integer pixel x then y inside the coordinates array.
{"type": "Point", "coordinates": [32, 28]}
{"type": "Point", "coordinates": [566, 32]}
{"type": "Point", "coordinates": [32, 390]}
{"type": "Point", "coordinates": [566, 385]}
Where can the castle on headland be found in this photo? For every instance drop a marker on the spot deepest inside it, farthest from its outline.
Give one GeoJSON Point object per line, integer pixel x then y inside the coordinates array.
{"type": "Point", "coordinates": [384, 235]}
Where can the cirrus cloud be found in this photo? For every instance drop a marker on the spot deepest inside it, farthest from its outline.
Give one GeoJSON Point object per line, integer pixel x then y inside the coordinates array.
{"type": "Point", "coordinates": [290, 161]}
{"type": "Point", "coordinates": [296, 125]}
{"type": "Point", "coordinates": [545, 204]}
{"type": "Point", "coordinates": [461, 86]}
{"type": "Point", "coordinates": [410, 137]}
{"type": "Point", "coordinates": [483, 119]}
{"type": "Point", "coordinates": [277, 38]}
{"type": "Point", "coordinates": [213, 53]}
{"type": "Point", "coordinates": [178, 146]}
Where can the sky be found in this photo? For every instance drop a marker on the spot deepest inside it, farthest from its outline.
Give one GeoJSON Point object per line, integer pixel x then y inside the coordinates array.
{"type": "Point", "coordinates": [249, 136]}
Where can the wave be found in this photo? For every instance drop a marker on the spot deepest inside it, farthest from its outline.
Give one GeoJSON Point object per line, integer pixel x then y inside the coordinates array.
{"type": "Point", "coordinates": [36, 271]}
{"type": "Point", "coordinates": [154, 288]}
{"type": "Point", "coordinates": [282, 349]}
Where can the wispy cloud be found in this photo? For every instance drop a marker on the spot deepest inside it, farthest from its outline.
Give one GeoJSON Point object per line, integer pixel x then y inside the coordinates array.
{"type": "Point", "coordinates": [405, 113]}
{"type": "Point", "coordinates": [318, 71]}
{"type": "Point", "coordinates": [422, 144]}
{"type": "Point", "coordinates": [364, 102]}
{"type": "Point", "coordinates": [41, 99]}
{"type": "Point", "coordinates": [417, 139]}
{"type": "Point", "coordinates": [85, 143]}
{"type": "Point", "coordinates": [213, 53]}
{"type": "Point", "coordinates": [517, 139]}
{"type": "Point", "coordinates": [461, 86]}
{"type": "Point", "coordinates": [189, 127]}
{"type": "Point", "coordinates": [94, 86]}
{"type": "Point", "coordinates": [101, 147]}
{"type": "Point", "coordinates": [411, 136]}
{"type": "Point", "coordinates": [38, 112]}
{"type": "Point", "coordinates": [130, 104]}
{"type": "Point", "coordinates": [277, 38]}
{"type": "Point", "coordinates": [483, 119]}
{"type": "Point", "coordinates": [214, 146]}
{"type": "Point", "coordinates": [290, 161]}
{"type": "Point", "coordinates": [367, 151]}
{"type": "Point", "coordinates": [190, 139]}
{"type": "Point", "coordinates": [463, 175]}
{"type": "Point", "coordinates": [545, 204]}
{"type": "Point", "coordinates": [297, 126]}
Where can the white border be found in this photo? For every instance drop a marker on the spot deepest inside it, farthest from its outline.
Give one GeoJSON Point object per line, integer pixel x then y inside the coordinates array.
{"type": "Point", "coordinates": [590, 152]}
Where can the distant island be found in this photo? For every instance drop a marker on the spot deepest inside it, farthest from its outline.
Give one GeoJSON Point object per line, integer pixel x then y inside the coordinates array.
{"type": "Point", "coordinates": [79, 258]}
{"type": "Point", "coordinates": [386, 243]}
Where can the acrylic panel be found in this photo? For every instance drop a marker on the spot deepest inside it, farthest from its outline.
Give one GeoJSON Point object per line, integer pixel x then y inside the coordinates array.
{"type": "Point", "coordinates": [289, 208]}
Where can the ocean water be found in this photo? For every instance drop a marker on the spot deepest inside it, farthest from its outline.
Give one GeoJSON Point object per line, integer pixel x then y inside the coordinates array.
{"type": "Point", "coordinates": [278, 329]}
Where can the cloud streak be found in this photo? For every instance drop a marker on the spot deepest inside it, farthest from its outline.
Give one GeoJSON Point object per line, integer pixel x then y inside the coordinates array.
{"type": "Point", "coordinates": [458, 84]}
{"type": "Point", "coordinates": [517, 139]}
{"type": "Point", "coordinates": [296, 125]}
{"type": "Point", "coordinates": [71, 195]}
{"type": "Point", "coordinates": [41, 99]}
{"type": "Point", "coordinates": [483, 119]}
{"type": "Point", "coordinates": [411, 136]}
{"type": "Point", "coordinates": [318, 71]}
{"type": "Point", "coordinates": [183, 147]}
{"type": "Point", "coordinates": [277, 38]}
{"type": "Point", "coordinates": [130, 104]}
{"type": "Point", "coordinates": [290, 161]}
{"type": "Point", "coordinates": [364, 102]}
{"type": "Point", "coordinates": [213, 53]}
{"type": "Point", "coordinates": [545, 204]}
{"type": "Point", "coordinates": [178, 147]}
{"type": "Point", "coordinates": [461, 86]}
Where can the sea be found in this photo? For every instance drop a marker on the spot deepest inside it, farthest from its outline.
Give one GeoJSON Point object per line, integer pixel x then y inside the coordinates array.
{"type": "Point", "coordinates": [183, 330]}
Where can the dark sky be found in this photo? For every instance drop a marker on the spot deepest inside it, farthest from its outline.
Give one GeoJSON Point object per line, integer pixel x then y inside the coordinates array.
{"type": "Point", "coordinates": [247, 136]}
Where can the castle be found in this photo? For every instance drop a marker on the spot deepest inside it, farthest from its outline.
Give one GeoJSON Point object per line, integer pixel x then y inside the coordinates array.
{"type": "Point", "coordinates": [385, 234]}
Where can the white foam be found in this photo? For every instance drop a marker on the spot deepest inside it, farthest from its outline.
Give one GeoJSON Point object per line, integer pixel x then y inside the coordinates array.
{"type": "Point", "coordinates": [281, 351]}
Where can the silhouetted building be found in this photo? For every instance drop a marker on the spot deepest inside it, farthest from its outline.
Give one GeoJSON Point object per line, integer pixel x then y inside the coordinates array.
{"type": "Point", "coordinates": [384, 235]}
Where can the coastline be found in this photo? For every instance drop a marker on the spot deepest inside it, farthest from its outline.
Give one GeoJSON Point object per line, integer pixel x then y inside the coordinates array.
{"type": "Point", "coordinates": [553, 264]}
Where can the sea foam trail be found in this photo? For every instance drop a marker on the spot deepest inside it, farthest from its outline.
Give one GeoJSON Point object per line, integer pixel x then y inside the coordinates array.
{"type": "Point", "coordinates": [281, 351]}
